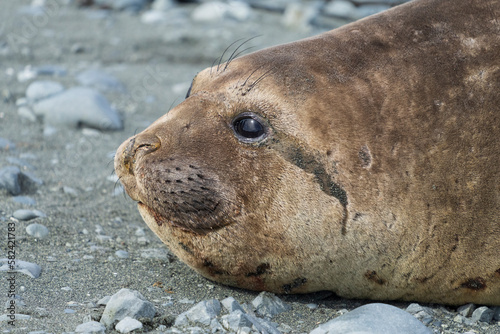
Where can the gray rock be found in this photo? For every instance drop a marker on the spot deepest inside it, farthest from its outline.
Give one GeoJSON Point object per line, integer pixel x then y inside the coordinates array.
{"type": "Point", "coordinates": [27, 113]}
{"type": "Point", "coordinates": [235, 320]}
{"type": "Point", "coordinates": [340, 8]}
{"type": "Point", "coordinates": [268, 305]}
{"type": "Point", "coordinates": [203, 313]}
{"type": "Point", "coordinates": [374, 319]}
{"type": "Point", "coordinates": [127, 303]}
{"type": "Point", "coordinates": [10, 179]}
{"type": "Point", "coordinates": [6, 145]}
{"type": "Point", "coordinates": [37, 231]}
{"type": "Point", "coordinates": [39, 90]}
{"type": "Point", "coordinates": [496, 313]}
{"type": "Point", "coordinates": [213, 11]}
{"type": "Point", "coordinates": [128, 5]}
{"type": "Point", "coordinates": [466, 310]}
{"type": "Point", "coordinates": [100, 80]}
{"type": "Point", "coordinates": [162, 5]}
{"type": "Point", "coordinates": [91, 327]}
{"type": "Point", "coordinates": [484, 314]}
{"type": "Point", "coordinates": [50, 70]}
{"type": "Point", "coordinates": [24, 214]}
{"type": "Point", "coordinates": [127, 325]}
{"type": "Point", "coordinates": [263, 325]}
{"type": "Point", "coordinates": [6, 317]}
{"type": "Point", "coordinates": [121, 254]}
{"type": "Point", "coordinates": [33, 270]}
{"type": "Point", "coordinates": [15, 181]}
{"type": "Point", "coordinates": [299, 15]}
{"type": "Point", "coordinates": [231, 305]}
{"type": "Point", "coordinates": [79, 106]}
{"type": "Point", "coordinates": [104, 300]}
{"type": "Point", "coordinates": [312, 306]}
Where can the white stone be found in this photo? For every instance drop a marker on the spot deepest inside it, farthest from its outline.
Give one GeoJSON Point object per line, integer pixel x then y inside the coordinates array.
{"type": "Point", "coordinates": [209, 12]}
{"type": "Point", "coordinates": [91, 327]}
{"type": "Point", "coordinates": [127, 325]}
{"type": "Point", "coordinates": [33, 270]}
{"type": "Point", "coordinates": [162, 5]}
{"type": "Point", "coordinates": [340, 8]}
{"type": "Point", "coordinates": [79, 106]}
{"type": "Point", "coordinates": [127, 303]}
{"type": "Point", "coordinates": [39, 90]}
{"type": "Point", "coordinates": [37, 231]}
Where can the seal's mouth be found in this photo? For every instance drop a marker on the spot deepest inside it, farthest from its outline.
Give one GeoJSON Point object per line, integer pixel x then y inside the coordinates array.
{"type": "Point", "coordinates": [186, 226]}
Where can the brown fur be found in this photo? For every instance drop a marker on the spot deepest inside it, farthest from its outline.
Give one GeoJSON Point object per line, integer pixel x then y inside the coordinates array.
{"type": "Point", "coordinates": [380, 174]}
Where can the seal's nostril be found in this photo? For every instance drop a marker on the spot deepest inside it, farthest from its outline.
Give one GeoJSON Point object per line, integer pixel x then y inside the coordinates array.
{"type": "Point", "coordinates": [142, 143]}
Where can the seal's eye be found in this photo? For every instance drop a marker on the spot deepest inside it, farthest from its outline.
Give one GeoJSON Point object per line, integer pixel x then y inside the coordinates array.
{"type": "Point", "coordinates": [248, 128]}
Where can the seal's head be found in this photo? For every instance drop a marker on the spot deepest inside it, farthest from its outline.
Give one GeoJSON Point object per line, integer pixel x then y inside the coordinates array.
{"type": "Point", "coordinates": [362, 161]}
{"type": "Point", "coordinates": [222, 183]}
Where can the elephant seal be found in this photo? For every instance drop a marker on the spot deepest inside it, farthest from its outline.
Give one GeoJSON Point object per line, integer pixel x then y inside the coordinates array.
{"type": "Point", "coordinates": [364, 161]}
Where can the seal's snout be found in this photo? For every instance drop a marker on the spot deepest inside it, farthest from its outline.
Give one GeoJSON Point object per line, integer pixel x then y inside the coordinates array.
{"type": "Point", "coordinates": [141, 144]}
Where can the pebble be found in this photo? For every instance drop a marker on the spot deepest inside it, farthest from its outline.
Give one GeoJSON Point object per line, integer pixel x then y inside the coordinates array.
{"type": "Point", "coordinates": [37, 231]}
{"type": "Point", "coordinates": [24, 214]}
{"type": "Point", "coordinates": [298, 16]}
{"type": "Point", "coordinates": [127, 5]}
{"type": "Point", "coordinates": [9, 179]}
{"type": "Point", "coordinates": [100, 80]}
{"type": "Point", "coordinates": [268, 305]}
{"type": "Point", "coordinates": [39, 90]}
{"type": "Point", "coordinates": [373, 318]}
{"type": "Point", "coordinates": [484, 314]}
{"type": "Point", "coordinates": [127, 325]}
{"type": "Point", "coordinates": [79, 106]}
{"type": "Point", "coordinates": [215, 11]}
{"type": "Point", "coordinates": [30, 73]}
{"type": "Point", "coordinates": [496, 313]}
{"type": "Point", "coordinates": [202, 313]}
{"type": "Point", "coordinates": [162, 5]}
{"type": "Point", "coordinates": [235, 320]}
{"type": "Point", "coordinates": [340, 8]}
{"type": "Point", "coordinates": [231, 305]}
{"type": "Point", "coordinates": [91, 327]}
{"type": "Point", "coordinates": [5, 317]}
{"type": "Point", "coordinates": [70, 191]}
{"type": "Point", "coordinates": [6, 145]}
{"type": "Point", "coordinates": [312, 306]}
{"type": "Point", "coordinates": [15, 181]}
{"type": "Point", "coordinates": [127, 303]}
{"type": "Point", "coordinates": [156, 254]}
{"type": "Point", "coordinates": [121, 254]}
{"type": "Point", "coordinates": [466, 310]}
{"type": "Point", "coordinates": [33, 270]}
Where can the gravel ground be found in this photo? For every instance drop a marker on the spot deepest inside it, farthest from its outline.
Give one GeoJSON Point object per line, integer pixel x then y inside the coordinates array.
{"type": "Point", "coordinates": [87, 215]}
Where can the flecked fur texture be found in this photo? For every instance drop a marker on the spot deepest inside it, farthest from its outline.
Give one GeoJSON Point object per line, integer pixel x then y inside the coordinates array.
{"type": "Point", "coordinates": [378, 175]}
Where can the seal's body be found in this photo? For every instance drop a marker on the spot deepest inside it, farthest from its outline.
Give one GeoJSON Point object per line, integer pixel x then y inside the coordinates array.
{"type": "Point", "coordinates": [365, 161]}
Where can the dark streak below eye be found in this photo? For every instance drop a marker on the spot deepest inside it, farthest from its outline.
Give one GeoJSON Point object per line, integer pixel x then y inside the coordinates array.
{"type": "Point", "coordinates": [297, 155]}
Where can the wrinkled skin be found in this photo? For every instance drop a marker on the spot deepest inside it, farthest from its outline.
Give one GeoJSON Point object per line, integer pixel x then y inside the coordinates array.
{"type": "Point", "coordinates": [377, 174]}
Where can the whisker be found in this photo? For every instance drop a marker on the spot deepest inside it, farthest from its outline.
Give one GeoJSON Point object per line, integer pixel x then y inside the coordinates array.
{"type": "Point", "coordinates": [223, 53]}
{"type": "Point", "coordinates": [234, 55]}
{"type": "Point", "coordinates": [244, 83]}
{"type": "Point", "coordinates": [260, 78]}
